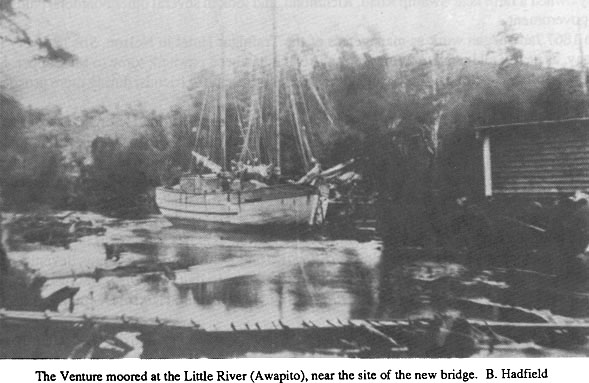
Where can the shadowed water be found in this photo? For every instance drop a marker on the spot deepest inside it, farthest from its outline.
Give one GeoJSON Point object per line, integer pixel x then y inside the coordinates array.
{"type": "Point", "coordinates": [219, 279]}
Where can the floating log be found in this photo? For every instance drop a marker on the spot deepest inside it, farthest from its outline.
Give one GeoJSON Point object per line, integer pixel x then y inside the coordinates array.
{"type": "Point", "coordinates": [168, 269]}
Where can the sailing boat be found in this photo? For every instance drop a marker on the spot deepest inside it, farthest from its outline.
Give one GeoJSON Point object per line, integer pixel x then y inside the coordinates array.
{"type": "Point", "coordinates": [232, 196]}
{"type": "Point", "coordinates": [215, 198]}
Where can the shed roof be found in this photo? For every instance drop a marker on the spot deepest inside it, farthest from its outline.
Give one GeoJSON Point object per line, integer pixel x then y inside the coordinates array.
{"type": "Point", "coordinates": [562, 123]}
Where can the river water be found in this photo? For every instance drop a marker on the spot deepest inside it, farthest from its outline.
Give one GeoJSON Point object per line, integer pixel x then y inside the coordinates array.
{"type": "Point", "coordinates": [222, 279]}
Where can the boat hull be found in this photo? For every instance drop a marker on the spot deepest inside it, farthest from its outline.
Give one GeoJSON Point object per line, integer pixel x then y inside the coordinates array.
{"type": "Point", "coordinates": [267, 206]}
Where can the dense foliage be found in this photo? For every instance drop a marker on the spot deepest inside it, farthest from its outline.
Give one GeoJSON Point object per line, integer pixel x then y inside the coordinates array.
{"type": "Point", "coordinates": [406, 119]}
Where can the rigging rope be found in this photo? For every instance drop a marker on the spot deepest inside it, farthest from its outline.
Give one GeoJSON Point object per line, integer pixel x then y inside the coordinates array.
{"type": "Point", "coordinates": [245, 150]}
{"type": "Point", "coordinates": [298, 134]}
{"type": "Point", "coordinates": [316, 94]}
{"type": "Point", "coordinates": [305, 137]}
{"type": "Point", "coordinates": [211, 119]}
{"type": "Point", "coordinates": [300, 86]}
{"type": "Point", "coordinates": [199, 127]}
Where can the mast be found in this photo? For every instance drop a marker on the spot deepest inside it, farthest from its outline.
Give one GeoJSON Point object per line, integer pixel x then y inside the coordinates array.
{"type": "Point", "coordinates": [222, 94]}
{"type": "Point", "coordinates": [583, 68]}
{"type": "Point", "coordinates": [276, 83]}
{"type": "Point", "coordinates": [295, 113]}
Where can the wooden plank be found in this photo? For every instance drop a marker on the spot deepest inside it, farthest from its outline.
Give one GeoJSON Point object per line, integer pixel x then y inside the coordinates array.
{"type": "Point", "coordinates": [518, 151]}
{"type": "Point", "coordinates": [516, 180]}
{"type": "Point", "coordinates": [509, 144]}
{"type": "Point", "coordinates": [537, 157]}
{"type": "Point", "coordinates": [573, 178]}
{"type": "Point", "coordinates": [538, 153]}
{"type": "Point", "coordinates": [525, 162]}
{"type": "Point", "coordinates": [549, 124]}
{"type": "Point", "coordinates": [540, 164]}
{"type": "Point", "coordinates": [379, 334]}
{"type": "Point", "coordinates": [541, 188]}
{"type": "Point", "coordinates": [487, 165]}
{"type": "Point", "coordinates": [537, 192]}
{"type": "Point", "coordinates": [183, 328]}
{"type": "Point", "coordinates": [574, 168]}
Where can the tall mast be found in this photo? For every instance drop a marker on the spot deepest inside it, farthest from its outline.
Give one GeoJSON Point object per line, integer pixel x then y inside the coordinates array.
{"type": "Point", "coordinates": [222, 94]}
{"type": "Point", "coordinates": [276, 82]}
{"type": "Point", "coordinates": [582, 67]}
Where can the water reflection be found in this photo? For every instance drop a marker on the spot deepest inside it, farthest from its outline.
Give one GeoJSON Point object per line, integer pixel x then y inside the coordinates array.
{"type": "Point", "coordinates": [235, 293]}
{"type": "Point", "coordinates": [291, 280]}
{"type": "Point", "coordinates": [250, 280]}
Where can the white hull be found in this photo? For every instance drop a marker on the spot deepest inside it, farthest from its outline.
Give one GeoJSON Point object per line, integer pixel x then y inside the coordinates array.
{"type": "Point", "coordinates": [282, 205]}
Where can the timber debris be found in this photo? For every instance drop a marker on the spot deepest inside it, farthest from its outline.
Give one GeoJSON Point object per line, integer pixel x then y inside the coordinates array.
{"type": "Point", "coordinates": [442, 336]}
{"type": "Point", "coordinates": [51, 230]}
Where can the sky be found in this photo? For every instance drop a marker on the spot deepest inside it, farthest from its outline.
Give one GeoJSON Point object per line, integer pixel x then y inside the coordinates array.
{"type": "Point", "coordinates": [145, 52]}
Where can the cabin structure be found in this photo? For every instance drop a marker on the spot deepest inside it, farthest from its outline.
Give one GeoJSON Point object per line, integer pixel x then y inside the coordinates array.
{"type": "Point", "coordinates": [536, 159]}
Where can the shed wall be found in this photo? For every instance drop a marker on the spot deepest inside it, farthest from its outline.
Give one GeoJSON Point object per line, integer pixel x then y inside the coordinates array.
{"type": "Point", "coordinates": [540, 160]}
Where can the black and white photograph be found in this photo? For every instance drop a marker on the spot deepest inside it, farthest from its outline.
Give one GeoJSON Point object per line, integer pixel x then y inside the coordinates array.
{"type": "Point", "coordinates": [294, 178]}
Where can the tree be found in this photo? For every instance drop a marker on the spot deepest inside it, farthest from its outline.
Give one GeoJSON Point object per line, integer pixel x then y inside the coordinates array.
{"type": "Point", "coordinates": [12, 122]}
{"type": "Point", "coordinates": [560, 96]}
{"type": "Point", "coordinates": [12, 31]}
{"type": "Point", "coordinates": [510, 39]}
{"type": "Point", "coordinates": [389, 106]}
{"type": "Point", "coordinates": [118, 180]}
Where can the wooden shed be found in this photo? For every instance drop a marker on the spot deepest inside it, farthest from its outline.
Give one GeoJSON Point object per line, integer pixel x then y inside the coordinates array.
{"type": "Point", "coordinates": [547, 158]}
